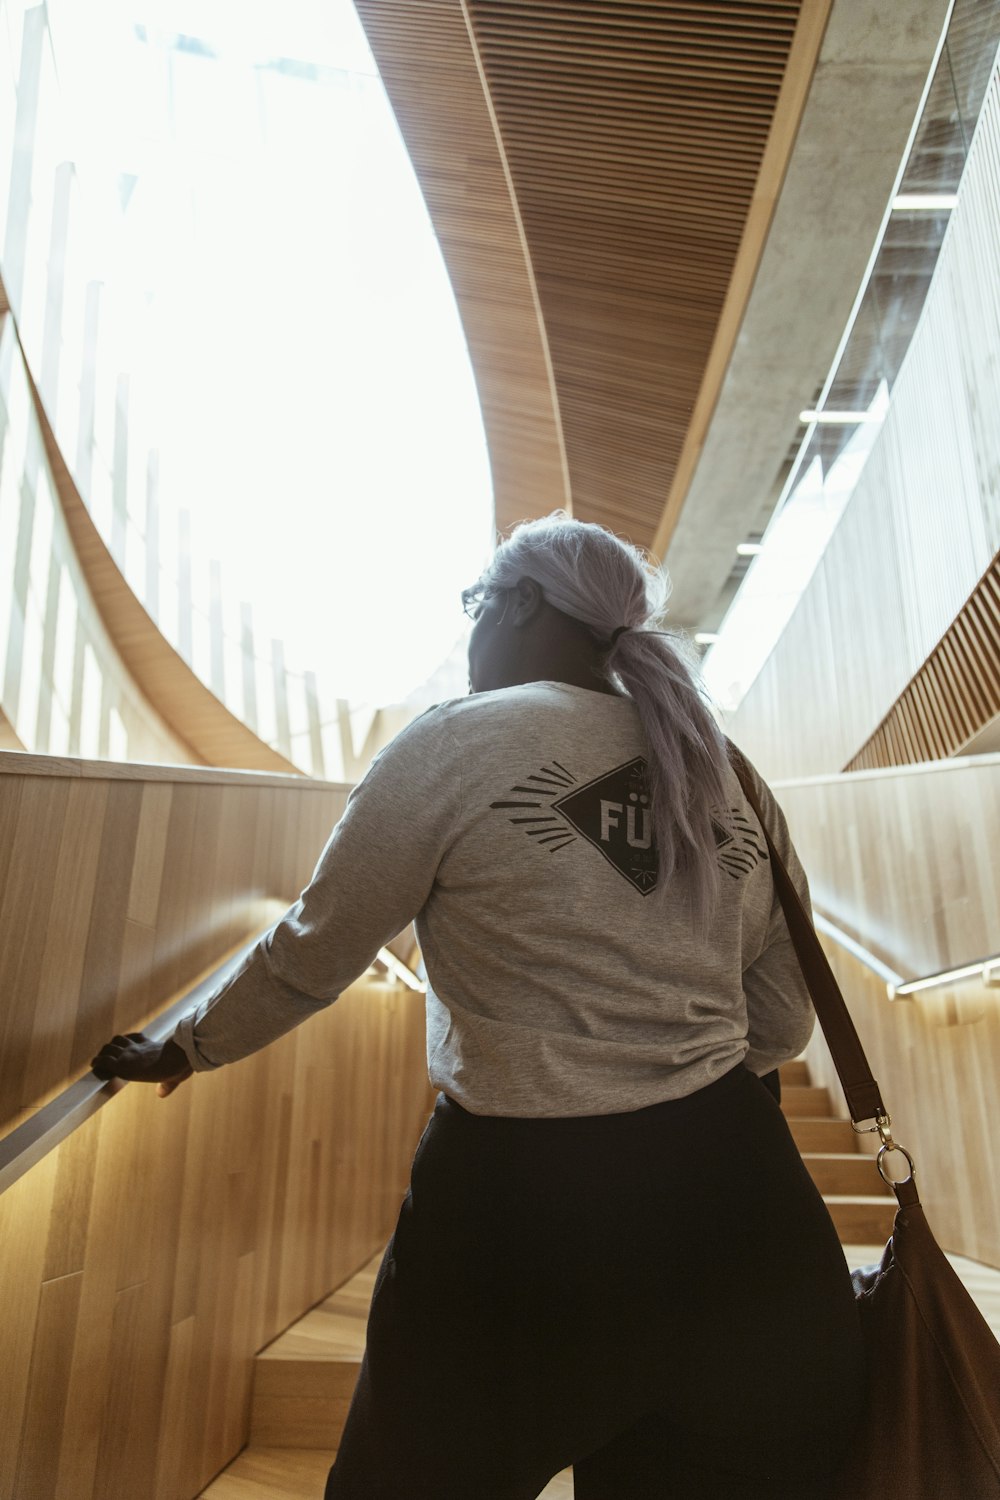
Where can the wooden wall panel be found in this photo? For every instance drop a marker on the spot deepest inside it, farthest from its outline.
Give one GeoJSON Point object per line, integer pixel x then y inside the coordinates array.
{"type": "Point", "coordinates": [922, 526]}
{"type": "Point", "coordinates": [148, 1258]}
{"type": "Point", "coordinates": [904, 861]}
{"type": "Point", "coordinates": [119, 884]}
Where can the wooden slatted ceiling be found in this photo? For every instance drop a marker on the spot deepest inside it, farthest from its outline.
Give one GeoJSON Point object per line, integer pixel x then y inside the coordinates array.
{"type": "Point", "coordinates": [634, 135]}
{"type": "Point", "coordinates": [617, 195]}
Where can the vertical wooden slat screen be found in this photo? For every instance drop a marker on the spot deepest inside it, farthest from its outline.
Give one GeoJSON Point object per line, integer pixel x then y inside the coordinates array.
{"type": "Point", "coordinates": [954, 695]}
{"type": "Point", "coordinates": [54, 646]}
{"type": "Point", "coordinates": [101, 417]}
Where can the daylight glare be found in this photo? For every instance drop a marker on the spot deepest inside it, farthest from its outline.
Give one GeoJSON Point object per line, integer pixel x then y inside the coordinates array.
{"type": "Point", "coordinates": [296, 354]}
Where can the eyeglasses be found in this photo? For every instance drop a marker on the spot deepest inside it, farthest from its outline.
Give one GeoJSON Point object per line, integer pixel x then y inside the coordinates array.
{"type": "Point", "coordinates": [475, 597]}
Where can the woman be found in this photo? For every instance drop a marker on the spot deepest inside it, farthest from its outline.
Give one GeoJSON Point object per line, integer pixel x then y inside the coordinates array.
{"type": "Point", "coordinates": [611, 1254]}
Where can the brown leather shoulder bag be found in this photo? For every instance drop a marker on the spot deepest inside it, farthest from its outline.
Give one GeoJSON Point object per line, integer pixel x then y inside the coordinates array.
{"type": "Point", "coordinates": [931, 1424]}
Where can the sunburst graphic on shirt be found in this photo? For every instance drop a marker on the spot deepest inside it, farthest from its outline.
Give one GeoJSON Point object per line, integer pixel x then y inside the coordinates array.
{"type": "Point", "coordinates": [613, 813]}
{"type": "Point", "coordinates": [738, 842]}
{"type": "Point", "coordinates": [532, 810]}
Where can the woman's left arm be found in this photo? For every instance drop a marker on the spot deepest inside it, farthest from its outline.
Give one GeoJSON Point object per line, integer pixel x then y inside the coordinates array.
{"type": "Point", "coordinates": [372, 878]}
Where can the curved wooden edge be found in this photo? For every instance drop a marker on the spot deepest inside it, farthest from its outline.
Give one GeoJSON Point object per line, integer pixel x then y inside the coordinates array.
{"type": "Point", "coordinates": [189, 709]}
{"type": "Point", "coordinates": [21, 763]}
{"type": "Point", "coordinates": [8, 735]}
{"type": "Point", "coordinates": [955, 766]}
{"type": "Point", "coordinates": [802, 59]}
{"type": "Point", "coordinates": [429, 64]}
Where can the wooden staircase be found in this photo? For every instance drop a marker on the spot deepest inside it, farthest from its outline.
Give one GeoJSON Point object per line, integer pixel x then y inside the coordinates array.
{"type": "Point", "coordinates": [860, 1204]}
{"type": "Point", "coordinates": [303, 1382]}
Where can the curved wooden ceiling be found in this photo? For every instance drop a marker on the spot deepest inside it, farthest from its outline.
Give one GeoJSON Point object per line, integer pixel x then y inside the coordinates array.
{"type": "Point", "coordinates": [621, 201]}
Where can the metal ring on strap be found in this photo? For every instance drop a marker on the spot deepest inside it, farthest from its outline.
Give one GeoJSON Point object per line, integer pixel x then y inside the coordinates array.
{"type": "Point", "coordinates": [889, 1181]}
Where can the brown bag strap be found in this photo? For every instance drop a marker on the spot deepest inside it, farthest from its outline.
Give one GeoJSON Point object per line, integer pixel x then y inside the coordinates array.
{"type": "Point", "coordinates": [860, 1088]}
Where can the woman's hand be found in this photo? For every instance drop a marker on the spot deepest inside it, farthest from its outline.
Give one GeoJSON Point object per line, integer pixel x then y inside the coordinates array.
{"type": "Point", "coordinates": [137, 1059]}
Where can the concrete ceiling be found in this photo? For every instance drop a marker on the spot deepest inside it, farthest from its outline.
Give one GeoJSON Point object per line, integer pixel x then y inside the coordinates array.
{"type": "Point", "coordinates": [872, 68]}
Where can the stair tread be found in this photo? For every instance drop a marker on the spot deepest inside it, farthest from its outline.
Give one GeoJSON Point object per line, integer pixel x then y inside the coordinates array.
{"type": "Point", "coordinates": [836, 1156]}
{"type": "Point", "coordinates": [335, 1328]}
{"type": "Point", "coordinates": [266, 1473]}
{"type": "Point", "coordinates": [875, 1198]}
{"type": "Point", "coordinates": [805, 1098]}
{"type": "Point", "coordinates": [260, 1473]}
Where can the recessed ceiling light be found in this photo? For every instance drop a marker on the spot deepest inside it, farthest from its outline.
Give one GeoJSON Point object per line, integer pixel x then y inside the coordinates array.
{"type": "Point", "coordinates": [705, 638]}
{"type": "Point", "coordinates": [841, 418]}
{"type": "Point", "coordinates": [749, 549]}
{"type": "Point", "coordinates": [924, 202]}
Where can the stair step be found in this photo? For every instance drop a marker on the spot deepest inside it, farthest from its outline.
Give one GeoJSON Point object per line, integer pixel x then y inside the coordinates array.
{"type": "Point", "coordinates": [850, 1172]}
{"type": "Point", "coordinates": [794, 1073]}
{"type": "Point", "coordinates": [825, 1136]}
{"type": "Point", "coordinates": [301, 1403]}
{"type": "Point", "coordinates": [861, 1220]}
{"type": "Point", "coordinates": [261, 1473]}
{"type": "Point", "coordinates": [799, 1099]}
{"type": "Point", "coordinates": [304, 1380]}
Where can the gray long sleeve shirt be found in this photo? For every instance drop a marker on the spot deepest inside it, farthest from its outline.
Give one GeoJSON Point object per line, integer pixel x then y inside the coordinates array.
{"type": "Point", "coordinates": [513, 827]}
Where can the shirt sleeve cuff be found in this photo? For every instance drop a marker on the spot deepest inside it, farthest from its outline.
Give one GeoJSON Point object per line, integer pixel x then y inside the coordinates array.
{"type": "Point", "coordinates": [184, 1037]}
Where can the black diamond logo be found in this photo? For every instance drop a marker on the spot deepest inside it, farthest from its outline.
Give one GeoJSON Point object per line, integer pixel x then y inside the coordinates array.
{"type": "Point", "coordinates": [614, 814]}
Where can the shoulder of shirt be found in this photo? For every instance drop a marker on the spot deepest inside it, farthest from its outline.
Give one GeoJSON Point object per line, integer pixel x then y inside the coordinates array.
{"type": "Point", "coordinates": [462, 714]}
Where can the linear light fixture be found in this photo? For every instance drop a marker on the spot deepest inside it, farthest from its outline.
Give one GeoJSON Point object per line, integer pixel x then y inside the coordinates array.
{"type": "Point", "coordinates": [896, 987]}
{"type": "Point", "coordinates": [889, 977]}
{"type": "Point", "coordinates": [931, 203]}
{"type": "Point", "coordinates": [705, 638]}
{"type": "Point", "coordinates": [400, 970]}
{"type": "Point", "coordinates": [749, 549]}
{"type": "Point", "coordinates": [987, 969]}
{"type": "Point", "coordinates": [839, 418]}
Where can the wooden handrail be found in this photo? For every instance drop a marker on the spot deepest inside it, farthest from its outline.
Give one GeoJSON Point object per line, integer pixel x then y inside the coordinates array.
{"type": "Point", "coordinates": [28, 1143]}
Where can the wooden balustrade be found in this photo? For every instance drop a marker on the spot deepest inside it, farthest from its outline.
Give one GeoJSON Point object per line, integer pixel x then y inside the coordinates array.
{"type": "Point", "coordinates": [148, 1257]}
{"type": "Point", "coordinates": [122, 883]}
{"type": "Point", "coordinates": [903, 860]}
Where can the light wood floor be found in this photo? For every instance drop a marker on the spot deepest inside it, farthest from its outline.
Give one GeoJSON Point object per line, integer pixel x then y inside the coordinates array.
{"type": "Point", "coordinates": [276, 1473]}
